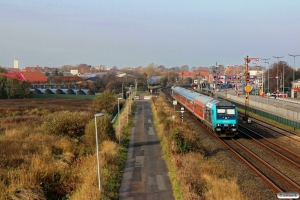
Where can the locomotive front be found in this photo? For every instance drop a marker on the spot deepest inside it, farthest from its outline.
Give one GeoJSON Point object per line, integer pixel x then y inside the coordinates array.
{"type": "Point", "coordinates": [225, 119]}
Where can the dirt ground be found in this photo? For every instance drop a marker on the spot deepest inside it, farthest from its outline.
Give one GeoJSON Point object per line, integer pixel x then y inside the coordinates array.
{"type": "Point", "coordinates": [52, 104]}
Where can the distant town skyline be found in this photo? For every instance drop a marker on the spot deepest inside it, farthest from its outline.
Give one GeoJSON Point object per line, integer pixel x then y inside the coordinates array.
{"type": "Point", "coordinates": [137, 33]}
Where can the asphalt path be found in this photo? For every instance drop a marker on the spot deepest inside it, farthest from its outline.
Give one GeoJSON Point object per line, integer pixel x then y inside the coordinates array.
{"type": "Point", "coordinates": [146, 175]}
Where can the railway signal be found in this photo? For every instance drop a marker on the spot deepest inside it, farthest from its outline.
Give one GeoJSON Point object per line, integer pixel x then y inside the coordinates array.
{"type": "Point", "coordinates": [248, 87]}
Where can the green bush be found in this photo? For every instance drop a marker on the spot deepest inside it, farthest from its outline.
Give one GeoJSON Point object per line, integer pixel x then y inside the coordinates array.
{"type": "Point", "coordinates": [105, 132]}
{"type": "Point", "coordinates": [80, 92]}
{"type": "Point", "coordinates": [67, 123]}
{"type": "Point", "coordinates": [182, 146]}
{"type": "Point", "coordinates": [37, 91]}
{"type": "Point", "coordinates": [70, 91]}
{"type": "Point", "coordinates": [59, 91]}
{"type": "Point", "coordinates": [48, 91]}
{"type": "Point", "coordinates": [90, 92]}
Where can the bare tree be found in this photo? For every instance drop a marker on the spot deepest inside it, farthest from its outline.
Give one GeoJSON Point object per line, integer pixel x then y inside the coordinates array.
{"type": "Point", "coordinates": [184, 68]}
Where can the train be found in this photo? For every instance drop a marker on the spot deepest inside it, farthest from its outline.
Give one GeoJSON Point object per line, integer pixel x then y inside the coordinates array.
{"type": "Point", "coordinates": [219, 115]}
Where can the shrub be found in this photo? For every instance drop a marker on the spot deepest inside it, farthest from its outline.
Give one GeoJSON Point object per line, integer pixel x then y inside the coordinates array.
{"type": "Point", "coordinates": [105, 132]}
{"type": "Point", "coordinates": [37, 91]}
{"type": "Point", "coordinates": [181, 145]}
{"type": "Point", "coordinates": [67, 123]}
{"type": "Point", "coordinates": [48, 91]}
{"type": "Point", "coordinates": [105, 102]}
{"type": "Point", "coordinates": [70, 91]}
{"type": "Point", "coordinates": [59, 91]}
{"type": "Point", "coordinates": [80, 92]}
{"type": "Point", "coordinates": [90, 92]}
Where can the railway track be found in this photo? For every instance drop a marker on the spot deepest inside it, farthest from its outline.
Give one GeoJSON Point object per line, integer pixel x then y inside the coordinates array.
{"type": "Point", "coordinates": [292, 135]}
{"type": "Point", "coordinates": [279, 168]}
{"type": "Point", "coordinates": [270, 145]}
{"type": "Point", "coordinates": [280, 180]}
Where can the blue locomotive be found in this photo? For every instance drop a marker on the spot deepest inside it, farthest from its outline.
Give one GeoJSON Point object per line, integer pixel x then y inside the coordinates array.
{"type": "Point", "coordinates": [219, 115]}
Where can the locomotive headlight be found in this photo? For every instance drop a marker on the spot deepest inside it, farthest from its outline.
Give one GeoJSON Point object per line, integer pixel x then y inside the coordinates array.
{"type": "Point", "coordinates": [233, 129]}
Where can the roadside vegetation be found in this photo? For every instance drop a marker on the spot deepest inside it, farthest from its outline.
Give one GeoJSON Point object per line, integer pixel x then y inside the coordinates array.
{"type": "Point", "coordinates": [194, 174]}
{"type": "Point", "coordinates": [12, 88]}
{"type": "Point", "coordinates": [48, 150]}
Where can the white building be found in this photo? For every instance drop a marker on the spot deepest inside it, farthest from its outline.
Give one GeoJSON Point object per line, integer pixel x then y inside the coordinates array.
{"type": "Point", "coordinates": [75, 72]}
{"type": "Point", "coordinates": [16, 63]}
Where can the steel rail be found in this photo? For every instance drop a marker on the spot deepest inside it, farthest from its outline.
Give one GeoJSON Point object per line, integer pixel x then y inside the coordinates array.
{"type": "Point", "coordinates": [274, 151]}
{"type": "Point", "coordinates": [273, 143]}
{"type": "Point", "coordinates": [268, 166]}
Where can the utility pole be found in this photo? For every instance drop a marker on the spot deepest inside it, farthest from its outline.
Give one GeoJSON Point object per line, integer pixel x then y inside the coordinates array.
{"type": "Point", "coordinates": [265, 59]}
{"type": "Point", "coordinates": [293, 74]}
{"type": "Point", "coordinates": [277, 69]}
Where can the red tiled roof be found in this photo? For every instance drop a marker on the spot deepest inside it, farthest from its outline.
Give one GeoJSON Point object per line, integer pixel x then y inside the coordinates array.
{"type": "Point", "coordinates": [17, 76]}
{"type": "Point", "coordinates": [34, 77]}
{"type": "Point", "coordinates": [204, 74]}
{"type": "Point", "coordinates": [186, 74]}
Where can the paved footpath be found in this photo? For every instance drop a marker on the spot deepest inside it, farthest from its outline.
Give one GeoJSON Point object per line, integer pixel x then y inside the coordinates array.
{"type": "Point", "coordinates": [146, 176]}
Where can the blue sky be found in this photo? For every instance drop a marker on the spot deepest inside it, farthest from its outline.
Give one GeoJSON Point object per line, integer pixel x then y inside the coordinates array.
{"type": "Point", "coordinates": [135, 33]}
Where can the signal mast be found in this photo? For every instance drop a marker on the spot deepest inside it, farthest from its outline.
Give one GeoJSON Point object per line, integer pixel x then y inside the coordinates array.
{"type": "Point", "coordinates": [247, 88]}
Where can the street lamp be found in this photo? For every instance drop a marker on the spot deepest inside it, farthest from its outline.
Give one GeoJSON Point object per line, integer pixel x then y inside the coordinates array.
{"type": "Point", "coordinates": [119, 119]}
{"type": "Point", "coordinates": [282, 77]}
{"type": "Point", "coordinates": [268, 77]}
{"type": "Point", "coordinates": [268, 82]}
{"type": "Point", "coordinates": [98, 159]}
{"type": "Point", "coordinates": [256, 82]}
{"type": "Point", "coordinates": [122, 90]}
{"type": "Point", "coordinates": [294, 71]}
{"type": "Point", "coordinates": [265, 59]}
{"type": "Point", "coordinates": [277, 69]}
{"type": "Point", "coordinates": [130, 92]}
{"type": "Point", "coordinates": [127, 106]}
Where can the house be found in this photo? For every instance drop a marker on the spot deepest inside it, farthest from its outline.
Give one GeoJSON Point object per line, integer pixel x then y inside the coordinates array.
{"type": "Point", "coordinates": [121, 74]}
{"type": "Point", "coordinates": [34, 77]}
{"type": "Point", "coordinates": [33, 69]}
{"type": "Point", "coordinates": [186, 74]}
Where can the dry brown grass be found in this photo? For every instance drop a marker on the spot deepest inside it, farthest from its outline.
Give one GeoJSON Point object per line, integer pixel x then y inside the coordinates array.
{"type": "Point", "coordinates": [193, 175]}
{"type": "Point", "coordinates": [36, 163]}
{"type": "Point", "coordinates": [21, 105]}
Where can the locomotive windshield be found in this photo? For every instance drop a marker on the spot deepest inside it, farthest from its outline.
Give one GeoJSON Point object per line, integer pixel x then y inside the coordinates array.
{"type": "Point", "coordinates": [226, 111]}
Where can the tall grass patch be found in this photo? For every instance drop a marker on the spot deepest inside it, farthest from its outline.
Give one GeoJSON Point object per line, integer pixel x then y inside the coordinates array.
{"type": "Point", "coordinates": [49, 153]}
